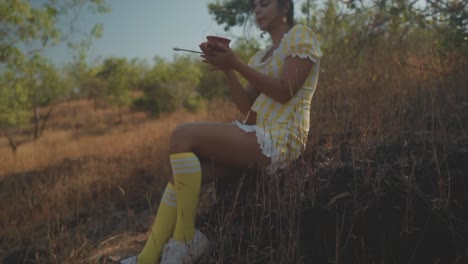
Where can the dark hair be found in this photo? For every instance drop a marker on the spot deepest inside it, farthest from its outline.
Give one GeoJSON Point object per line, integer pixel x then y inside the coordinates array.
{"type": "Point", "coordinates": [284, 4]}
{"type": "Point", "coordinates": [290, 12]}
{"type": "Point", "coordinates": [281, 4]}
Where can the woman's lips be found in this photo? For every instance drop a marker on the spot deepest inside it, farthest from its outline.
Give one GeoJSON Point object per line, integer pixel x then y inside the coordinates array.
{"type": "Point", "coordinates": [259, 20]}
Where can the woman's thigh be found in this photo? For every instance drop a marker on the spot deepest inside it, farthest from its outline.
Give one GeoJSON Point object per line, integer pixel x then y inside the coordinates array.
{"type": "Point", "coordinates": [223, 143]}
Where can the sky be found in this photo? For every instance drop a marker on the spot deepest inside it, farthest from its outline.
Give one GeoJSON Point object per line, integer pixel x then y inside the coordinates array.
{"type": "Point", "coordinates": [144, 29]}
{"type": "Point", "coordinates": [147, 28]}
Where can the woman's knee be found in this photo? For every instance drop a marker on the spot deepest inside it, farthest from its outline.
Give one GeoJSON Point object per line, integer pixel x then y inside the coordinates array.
{"type": "Point", "coordinates": [181, 140]}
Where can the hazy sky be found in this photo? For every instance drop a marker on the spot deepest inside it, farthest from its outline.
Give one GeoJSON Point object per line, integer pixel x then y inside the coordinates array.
{"type": "Point", "coordinates": [147, 28]}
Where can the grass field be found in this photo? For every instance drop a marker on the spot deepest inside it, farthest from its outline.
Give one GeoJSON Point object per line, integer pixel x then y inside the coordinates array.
{"type": "Point", "coordinates": [383, 179]}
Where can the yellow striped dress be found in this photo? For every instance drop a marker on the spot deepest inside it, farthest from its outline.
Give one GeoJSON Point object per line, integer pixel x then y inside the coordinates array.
{"type": "Point", "coordinates": [282, 129]}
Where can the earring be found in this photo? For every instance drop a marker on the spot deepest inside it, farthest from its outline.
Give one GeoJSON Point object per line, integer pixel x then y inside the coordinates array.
{"type": "Point", "coordinates": [284, 19]}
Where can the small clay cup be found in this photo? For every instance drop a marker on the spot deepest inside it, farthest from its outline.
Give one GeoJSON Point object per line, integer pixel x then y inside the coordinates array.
{"type": "Point", "coordinates": [213, 40]}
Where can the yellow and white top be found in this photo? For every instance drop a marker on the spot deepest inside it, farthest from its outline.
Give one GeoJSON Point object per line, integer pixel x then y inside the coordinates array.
{"type": "Point", "coordinates": [282, 129]}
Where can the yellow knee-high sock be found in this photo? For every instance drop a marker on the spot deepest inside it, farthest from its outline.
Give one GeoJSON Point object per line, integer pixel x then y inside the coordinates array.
{"type": "Point", "coordinates": [187, 178]}
{"type": "Point", "coordinates": [162, 229]}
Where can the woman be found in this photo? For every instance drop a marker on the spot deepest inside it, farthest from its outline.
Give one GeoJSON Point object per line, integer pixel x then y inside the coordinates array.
{"type": "Point", "coordinates": [276, 102]}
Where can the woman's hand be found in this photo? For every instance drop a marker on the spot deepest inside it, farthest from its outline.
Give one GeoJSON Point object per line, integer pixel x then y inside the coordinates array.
{"type": "Point", "coordinates": [206, 47]}
{"type": "Point", "coordinates": [219, 57]}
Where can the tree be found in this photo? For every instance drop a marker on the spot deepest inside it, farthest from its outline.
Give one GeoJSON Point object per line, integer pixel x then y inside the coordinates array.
{"type": "Point", "coordinates": [169, 86]}
{"type": "Point", "coordinates": [451, 20]}
{"type": "Point", "coordinates": [27, 29]}
{"type": "Point", "coordinates": [45, 85]}
{"type": "Point", "coordinates": [118, 81]}
{"type": "Point", "coordinates": [14, 107]}
{"type": "Point", "coordinates": [230, 13]}
{"type": "Point", "coordinates": [336, 21]}
{"type": "Point", "coordinates": [85, 83]}
{"type": "Point", "coordinates": [27, 91]}
{"type": "Point", "coordinates": [184, 78]}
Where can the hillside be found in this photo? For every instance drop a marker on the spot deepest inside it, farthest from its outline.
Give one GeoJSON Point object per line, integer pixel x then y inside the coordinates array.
{"type": "Point", "coordinates": [383, 180]}
{"type": "Point", "coordinates": [87, 179]}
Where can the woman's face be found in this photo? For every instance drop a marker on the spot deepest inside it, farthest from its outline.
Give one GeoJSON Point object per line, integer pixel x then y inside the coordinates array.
{"type": "Point", "coordinates": [267, 13]}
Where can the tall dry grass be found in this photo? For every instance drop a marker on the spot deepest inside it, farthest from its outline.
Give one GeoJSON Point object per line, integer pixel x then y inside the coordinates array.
{"type": "Point", "coordinates": [393, 115]}
{"type": "Point", "coordinates": [85, 169]}
{"type": "Point", "coordinates": [381, 179]}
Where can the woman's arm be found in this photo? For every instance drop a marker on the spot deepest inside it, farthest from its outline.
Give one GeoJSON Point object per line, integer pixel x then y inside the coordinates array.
{"type": "Point", "coordinates": [282, 89]}
{"type": "Point", "coordinates": [243, 98]}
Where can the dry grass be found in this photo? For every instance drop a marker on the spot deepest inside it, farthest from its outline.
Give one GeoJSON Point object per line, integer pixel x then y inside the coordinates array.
{"type": "Point", "coordinates": [76, 130]}
{"type": "Point", "coordinates": [80, 170]}
{"type": "Point", "coordinates": [386, 143]}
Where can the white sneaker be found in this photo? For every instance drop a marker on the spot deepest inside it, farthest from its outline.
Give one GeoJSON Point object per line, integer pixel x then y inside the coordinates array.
{"type": "Point", "coordinates": [130, 260]}
{"type": "Point", "coordinates": [176, 252]}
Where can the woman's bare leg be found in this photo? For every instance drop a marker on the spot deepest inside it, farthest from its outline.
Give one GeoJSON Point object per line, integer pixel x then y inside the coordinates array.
{"type": "Point", "coordinates": [223, 143]}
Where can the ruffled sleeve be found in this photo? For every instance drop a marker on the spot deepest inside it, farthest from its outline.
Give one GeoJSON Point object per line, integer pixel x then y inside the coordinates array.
{"type": "Point", "coordinates": [303, 43]}
{"type": "Point", "coordinates": [253, 59]}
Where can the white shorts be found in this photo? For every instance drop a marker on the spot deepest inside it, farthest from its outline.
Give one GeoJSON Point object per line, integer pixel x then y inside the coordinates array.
{"type": "Point", "coordinates": [268, 147]}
